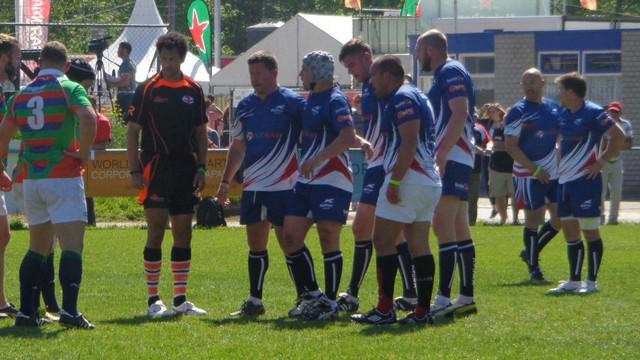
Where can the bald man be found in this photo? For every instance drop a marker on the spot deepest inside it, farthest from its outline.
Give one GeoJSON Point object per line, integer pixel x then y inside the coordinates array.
{"type": "Point", "coordinates": [453, 97]}
{"type": "Point", "coordinates": [531, 132]}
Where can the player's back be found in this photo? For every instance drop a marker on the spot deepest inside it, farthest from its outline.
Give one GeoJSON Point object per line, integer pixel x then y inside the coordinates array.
{"type": "Point", "coordinates": [44, 115]}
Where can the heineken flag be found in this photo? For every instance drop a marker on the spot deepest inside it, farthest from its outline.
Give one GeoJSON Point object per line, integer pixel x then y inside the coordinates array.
{"type": "Point", "coordinates": [409, 8]}
{"type": "Point", "coordinates": [199, 25]}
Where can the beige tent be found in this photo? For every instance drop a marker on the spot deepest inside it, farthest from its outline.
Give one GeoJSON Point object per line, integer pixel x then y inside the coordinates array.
{"type": "Point", "coordinates": [298, 36]}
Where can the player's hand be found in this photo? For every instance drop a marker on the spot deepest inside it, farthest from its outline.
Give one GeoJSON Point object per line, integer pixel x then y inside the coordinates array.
{"type": "Point", "coordinates": [441, 161]}
{"type": "Point", "coordinates": [83, 158]}
{"type": "Point", "coordinates": [137, 181]}
{"type": "Point", "coordinates": [594, 169]}
{"type": "Point", "coordinates": [306, 170]}
{"type": "Point", "coordinates": [223, 194]}
{"type": "Point", "coordinates": [367, 149]}
{"type": "Point", "coordinates": [543, 177]}
{"type": "Point", "coordinates": [5, 182]}
{"type": "Point", "coordinates": [199, 183]}
{"type": "Point", "coordinates": [393, 194]}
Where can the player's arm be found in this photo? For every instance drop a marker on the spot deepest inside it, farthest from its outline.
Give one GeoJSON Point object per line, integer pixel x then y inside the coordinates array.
{"type": "Point", "coordinates": [235, 157]}
{"type": "Point", "coordinates": [202, 144]}
{"type": "Point", "coordinates": [364, 145]}
{"type": "Point", "coordinates": [455, 127]}
{"type": "Point", "coordinates": [513, 149]}
{"type": "Point", "coordinates": [88, 122]}
{"type": "Point", "coordinates": [616, 143]}
{"type": "Point", "coordinates": [8, 129]}
{"type": "Point", "coordinates": [628, 138]}
{"type": "Point", "coordinates": [345, 139]}
{"type": "Point", "coordinates": [135, 167]}
{"type": "Point", "coordinates": [406, 153]}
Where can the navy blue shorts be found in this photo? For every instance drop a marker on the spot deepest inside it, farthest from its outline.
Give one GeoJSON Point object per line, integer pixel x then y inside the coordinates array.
{"type": "Point", "coordinates": [320, 203]}
{"type": "Point", "coordinates": [580, 198]}
{"type": "Point", "coordinates": [457, 180]}
{"type": "Point", "coordinates": [531, 194]}
{"type": "Point", "coordinates": [373, 179]}
{"type": "Point", "coordinates": [257, 206]}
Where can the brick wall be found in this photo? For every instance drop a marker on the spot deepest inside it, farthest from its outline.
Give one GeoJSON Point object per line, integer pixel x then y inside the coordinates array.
{"type": "Point", "coordinates": [631, 101]}
{"type": "Point", "coordinates": [514, 53]}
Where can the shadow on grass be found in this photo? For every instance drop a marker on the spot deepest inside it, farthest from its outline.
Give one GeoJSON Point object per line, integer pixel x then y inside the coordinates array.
{"type": "Point", "coordinates": [281, 323]}
{"type": "Point", "coordinates": [139, 319]}
{"type": "Point", "coordinates": [521, 283]}
{"type": "Point", "coordinates": [30, 332]}
{"type": "Point", "coordinates": [397, 329]}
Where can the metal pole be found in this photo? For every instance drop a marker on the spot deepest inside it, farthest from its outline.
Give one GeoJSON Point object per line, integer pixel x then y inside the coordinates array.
{"type": "Point", "coordinates": [564, 7]}
{"type": "Point", "coordinates": [455, 16]}
{"type": "Point", "coordinates": [217, 22]}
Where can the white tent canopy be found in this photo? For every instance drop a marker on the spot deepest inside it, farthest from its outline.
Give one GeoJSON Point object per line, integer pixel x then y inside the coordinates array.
{"type": "Point", "coordinates": [301, 34]}
{"type": "Point", "coordinates": [143, 41]}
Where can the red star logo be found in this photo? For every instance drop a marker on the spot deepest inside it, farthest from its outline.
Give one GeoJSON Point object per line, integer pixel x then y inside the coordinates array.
{"type": "Point", "coordinates": [197, 29]}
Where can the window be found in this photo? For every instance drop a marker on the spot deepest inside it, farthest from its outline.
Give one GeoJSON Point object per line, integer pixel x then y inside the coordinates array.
{"type": "Point", "coordinates": [558, 63]}
{"type": "Point", "coordinates": [480, 64]}
{"type": "Point", "coordinates": [599, 63]}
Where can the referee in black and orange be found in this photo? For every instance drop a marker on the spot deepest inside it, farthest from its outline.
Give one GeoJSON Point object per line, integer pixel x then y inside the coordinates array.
{"type": "Point", "coordinates": [168, 167]}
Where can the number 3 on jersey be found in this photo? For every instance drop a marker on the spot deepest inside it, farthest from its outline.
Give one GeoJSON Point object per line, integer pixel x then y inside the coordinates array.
{"type": "Point", "coordinates": [36, 122]}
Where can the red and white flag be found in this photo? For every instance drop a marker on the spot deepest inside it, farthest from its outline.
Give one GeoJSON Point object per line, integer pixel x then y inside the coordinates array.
{"type": "Point", "coordinates": [589, 4]}
{"type": "Point", "coordinates": [33, 12]}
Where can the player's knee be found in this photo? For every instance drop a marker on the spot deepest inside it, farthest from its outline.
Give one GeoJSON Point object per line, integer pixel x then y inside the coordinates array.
{"type": "Point", "coordinates": [362, 231]}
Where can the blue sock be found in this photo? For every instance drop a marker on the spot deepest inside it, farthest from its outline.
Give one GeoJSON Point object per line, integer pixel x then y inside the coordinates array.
{"type": "Point", "coordinates": [30, 271]}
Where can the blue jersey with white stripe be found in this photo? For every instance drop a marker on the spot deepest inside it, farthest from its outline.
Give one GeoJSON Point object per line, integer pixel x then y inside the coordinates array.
{"type": "Point", "coordinates": [452, 80]}
{"type": "Point", "coordinates": [405, 105]}
{"type": "Point", "coordinates": [536, 125]}
{"type": "Point", "coordinates": [580, 135]}
{"type": "Point", "coordinates": [270, 130]}
{"type": "Point", "coordinates": [325, 114]}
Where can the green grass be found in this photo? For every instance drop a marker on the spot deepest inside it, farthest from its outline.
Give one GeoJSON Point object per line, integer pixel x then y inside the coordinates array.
{"type": "Point", "coordinates": [515, 320]}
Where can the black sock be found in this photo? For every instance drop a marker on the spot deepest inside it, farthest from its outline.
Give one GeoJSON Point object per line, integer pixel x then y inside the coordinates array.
{"type": "Point", "coordinates": [406, 271]}
{"type": "Point", "coordinates": [467, 266]}
{"type": "Point", "coordinates": [258, 265]}
{"type": "Point", "coordinates": [546, 233]}
{"type": "Point", "coordinates": [70, 278]}
{"type": "Point", "coordinates": [303, 270]}
{"type": "Point", "coordinates": [49, 286]}
{"type": "Point", "coordinates": [152, 258]}
{"type": "Point", "coordinates": [387, 266]}
{"type": "Point", "coordinates": [180, 256]}
{"type": "Point", "coordinates": [575, 250]}
{"type": "Point", "coordinates": [332, 273]}
{"type": "Point", "coordinates": [447, 266]}
{"type": "Point", "coordinates": [297, 284]}
{"type": "Point", "coordinates": [596, 249]}
{"type": "Point", "coordinates": [425, 267]}
{"type": "Point", "coordinates": [30, 271]}
{"type": "Point", "coordinates": [530, 240]}
{"type": "Point", "coordinates": [361, 259]}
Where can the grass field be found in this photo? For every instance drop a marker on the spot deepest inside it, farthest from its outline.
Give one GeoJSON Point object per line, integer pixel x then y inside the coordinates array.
{"type": "Point", "coordinates": [515, 320]}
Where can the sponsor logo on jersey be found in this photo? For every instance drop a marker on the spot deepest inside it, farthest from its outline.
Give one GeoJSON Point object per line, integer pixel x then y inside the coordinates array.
{"type": "Point", "coordinates": [455, 79]}
{"type": "Point", "coordinates": [187, 99]}
{"type": "Point", "coordinates": [277, 110]}
{"type": "Point", "coordinates": [456, 88]}
{"type": "Point", "coordinates": [327, 204]}
{"type": "Point", "coordinates": [540, 134]}
{"type": "Point", "coordinates": [578, 121]}
{"type": "Point", "coordinates": [316, 110]}
{"type": "Point", "coordinates": [249, 135]}
{"type": "Point", "coordinates": [405, 113]}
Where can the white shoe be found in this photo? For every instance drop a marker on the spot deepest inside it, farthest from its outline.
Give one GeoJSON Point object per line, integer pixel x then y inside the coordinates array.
{"type": "Point", "coordinates": [589, 287]}
{"type": "Point", "coordinates": [157, 310]}
{"type": "Point", "coordinates": [188, 308]}
{"type": "Point", "coordinates": [441, 306]}
{"type": "Point", "coordinates": [566, 287]}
